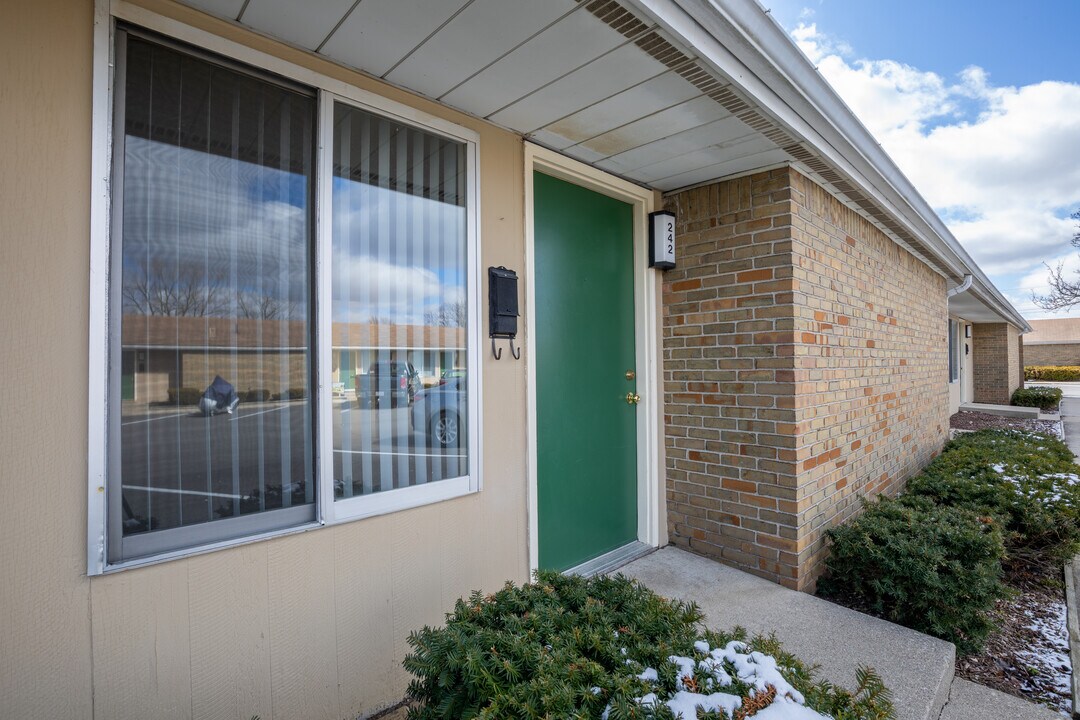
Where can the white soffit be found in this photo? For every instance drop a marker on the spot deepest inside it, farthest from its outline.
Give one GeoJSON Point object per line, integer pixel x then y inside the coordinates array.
{"type": "Point", "coordinates": [570, 44]}
{"type": "Point", "coordinates": [477, 37]}
{"type": "Point", "coordinates": [305, 24]}
{"type": "Point", "coordinates": [608, 75]}
{"type": "Point", "coordinates": [222, 8]}
{"type": "Point", "coordinates": [378, 34]}
{"type": "Point", "coordinates": [590, 78]}
{"type": "Point", "coordinates": [969, 307]}
{"type": "Point", "coordinates": [644, 100]}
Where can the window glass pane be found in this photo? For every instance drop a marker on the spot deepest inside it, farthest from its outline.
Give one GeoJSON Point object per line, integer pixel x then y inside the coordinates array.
{"type": "Point", "coordinates": [216, 237]}
{"type": "Point", "coordinates": [399, 311]}
{"type": "Point", "coordinates": [954, 365]}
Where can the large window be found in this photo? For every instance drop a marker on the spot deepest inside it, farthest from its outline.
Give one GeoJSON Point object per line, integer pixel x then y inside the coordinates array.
{"type": "Point", "coordinates": [398, 309]}
{"type": "Point", "coordinates": [238, 404]}
{"type": "Point", "coordinates": [954, 351]}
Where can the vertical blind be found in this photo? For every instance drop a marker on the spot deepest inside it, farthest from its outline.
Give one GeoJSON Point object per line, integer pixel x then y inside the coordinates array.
{"type": "Point", "coordinates": [215, 272]}
{"type": "Point", "coordinates": [399, 310]}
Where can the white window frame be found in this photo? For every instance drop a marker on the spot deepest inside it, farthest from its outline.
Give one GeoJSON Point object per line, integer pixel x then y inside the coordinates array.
{"type": "Point", "coordinates": [329, 90]}
{"type": "Point", "coordinates": [954, 356]}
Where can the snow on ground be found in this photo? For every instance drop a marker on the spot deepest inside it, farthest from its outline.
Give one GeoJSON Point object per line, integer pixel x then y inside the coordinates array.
{"type": "Point", "coordinates": [753, 668]}
{"type": "Point", "coordinates": [1048, 657]}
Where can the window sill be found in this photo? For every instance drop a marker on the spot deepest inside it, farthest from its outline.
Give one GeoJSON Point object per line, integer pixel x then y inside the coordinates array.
{"type": "Point", "coordinates": [351, 510]}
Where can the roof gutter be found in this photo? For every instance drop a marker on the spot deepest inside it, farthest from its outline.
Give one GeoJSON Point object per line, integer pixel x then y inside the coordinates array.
{"type": "Point", "coordinates": [745, 44]}
{"type": "Point", "coordinates": [962, 287]}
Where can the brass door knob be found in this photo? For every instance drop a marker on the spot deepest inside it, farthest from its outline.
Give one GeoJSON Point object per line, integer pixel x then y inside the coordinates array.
{"type": "Point", "coordinates": [632, 398]}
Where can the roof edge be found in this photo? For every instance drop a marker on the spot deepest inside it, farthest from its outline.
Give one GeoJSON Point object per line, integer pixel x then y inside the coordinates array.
{"type": "Point", "coordinates": [743, 42]}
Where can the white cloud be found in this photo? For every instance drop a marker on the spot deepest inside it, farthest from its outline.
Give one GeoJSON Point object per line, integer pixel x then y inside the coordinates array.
{"type": "Point", "coordinates": [1001, 164]}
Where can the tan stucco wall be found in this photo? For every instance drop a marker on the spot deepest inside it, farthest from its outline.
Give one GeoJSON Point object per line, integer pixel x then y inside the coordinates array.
{"type": "Point", "coordinates": [306, 626]}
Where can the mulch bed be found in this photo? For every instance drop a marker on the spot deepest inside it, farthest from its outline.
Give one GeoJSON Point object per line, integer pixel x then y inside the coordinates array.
{"type": "Point", "coordinates": [966, 420]}
{"type": "Point", "coordinates": [1028, 655]}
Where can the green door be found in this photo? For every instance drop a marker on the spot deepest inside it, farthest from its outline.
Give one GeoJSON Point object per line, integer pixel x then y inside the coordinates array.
{"type": "Point", "coordinates": [586, 431]}
{"type": "Point", "coordinates": [347, 369]}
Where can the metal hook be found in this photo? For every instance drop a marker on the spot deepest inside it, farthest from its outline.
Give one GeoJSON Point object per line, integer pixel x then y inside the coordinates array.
{"type": "Point", "coordinates": [515, 353]}
{"type": "Point", "coordinates": [496, 353]}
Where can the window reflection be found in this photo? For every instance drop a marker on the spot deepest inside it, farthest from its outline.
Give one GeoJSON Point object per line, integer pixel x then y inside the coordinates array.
{"type": "Point", "coordinates": [399, 311]}
{"type": "Point", "coordinates": [215, 244]}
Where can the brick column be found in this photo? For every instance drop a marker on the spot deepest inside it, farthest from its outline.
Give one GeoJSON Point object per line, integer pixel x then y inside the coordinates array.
{"type": "Point", "coordinates": [729, 376]}
{"type": "Point", "coordinates": [997, 369]}
{"type": "Point", "coordinates": [804, 365]}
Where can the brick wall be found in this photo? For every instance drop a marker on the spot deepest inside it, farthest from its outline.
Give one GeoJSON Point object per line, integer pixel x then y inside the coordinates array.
{"type": "Point", "coordinates": [996, 365]}
{"type": "Point", "coordinates": [872, 365]}
{"type": "Point", "coordinates": [805, 363]}
{"type": "Point", "coordinates": [1051, 354]}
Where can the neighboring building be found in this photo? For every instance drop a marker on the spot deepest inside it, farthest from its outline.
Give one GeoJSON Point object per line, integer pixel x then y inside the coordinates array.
{"type": "Point", "coordinates": [286, 193]}
{"type": "Point", "coordinates": [1053, 342]}
{"type": "Point", "coordinates": [159, 353]}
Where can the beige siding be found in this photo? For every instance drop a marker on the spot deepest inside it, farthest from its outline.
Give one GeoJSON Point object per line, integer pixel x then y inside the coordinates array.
{"type": "Point", "coordinates": [310, 625]}
{"type": "Point", "coordinates": [45, 50]}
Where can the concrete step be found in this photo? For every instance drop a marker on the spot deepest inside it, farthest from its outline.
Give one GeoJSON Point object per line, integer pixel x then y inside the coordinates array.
{"type": "Point", "coordinates": [916, 667]}
{"type": "Point", "coordinates": [1002, 410]}
{"type": "Point", "coordinates": [969, 701]}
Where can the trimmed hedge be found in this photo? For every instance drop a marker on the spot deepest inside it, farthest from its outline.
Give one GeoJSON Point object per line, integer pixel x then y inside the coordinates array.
{"type": "Point", "coordinates": [570, 647]}
{"type": "Point", "coordinates": [1044, 398]}
{"type": "Point", "coordinates": [936, 569]}
{"type": "Point", "coordinates": [932, 559]}
{"type": "Point", "coordinates": [259, 395]}
{"type": "Point", "coordinates": [1052, 373]}
{"type": "Point", "coordinates": [185, 396]}
{"type": "Point", "coordinates": [290, 394]}
{"type": "Point", "coordinates": [1029, 482]}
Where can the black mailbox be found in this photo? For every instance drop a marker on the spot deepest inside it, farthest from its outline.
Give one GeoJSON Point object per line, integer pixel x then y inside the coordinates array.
{"type": "Point", "coordinates": [502, 307]}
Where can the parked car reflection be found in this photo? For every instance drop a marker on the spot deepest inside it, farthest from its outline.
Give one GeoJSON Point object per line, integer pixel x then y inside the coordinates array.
{"type": "Point", "coordinates": [440, 412]}
{"type": "Point", "coordinates": [387, 384]}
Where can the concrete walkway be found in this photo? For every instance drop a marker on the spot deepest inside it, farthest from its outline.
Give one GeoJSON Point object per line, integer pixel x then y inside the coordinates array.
{"type": "Point", "coordinates": [916, 667]}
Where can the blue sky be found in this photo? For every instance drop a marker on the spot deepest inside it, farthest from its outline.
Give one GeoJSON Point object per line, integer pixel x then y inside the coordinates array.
{"type": "Point", "coordinates": [1016, 43]}
{"type": "Point", "coordinates": [978, 103]}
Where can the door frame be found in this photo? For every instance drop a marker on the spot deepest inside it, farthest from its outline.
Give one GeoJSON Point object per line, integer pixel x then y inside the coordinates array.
{"type": "Point", "coordinates": [651, 525]}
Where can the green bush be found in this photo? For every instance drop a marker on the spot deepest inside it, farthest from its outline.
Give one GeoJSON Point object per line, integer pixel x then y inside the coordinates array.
{"type": "Point", "coordinates": [290, 394]}
{"type": "Point", "coordinates": [1028, 481]}
{"type": "Point", "coordinates": [1044, 398]}
{"type": "Point", "coordinates": [931, 568]}
{"type": "Point", "coordinates": [1052, 373]}
{"type": "Point", "coordinates": [185, 396]}
{"type": "Point", "coordinates": [570, 647]}
{"type": "Point", "coordinates": [259, 395]}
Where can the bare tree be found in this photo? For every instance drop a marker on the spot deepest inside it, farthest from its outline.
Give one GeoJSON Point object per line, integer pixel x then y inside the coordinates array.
{"type": "Point", "coordinates": [263, 307]}
{"type": "Point", "coordinates": [1064, 293]}
{"type": "Point", "coordinates": [186, 291]}
{"type": "Point", "coordinates": [451, 314]}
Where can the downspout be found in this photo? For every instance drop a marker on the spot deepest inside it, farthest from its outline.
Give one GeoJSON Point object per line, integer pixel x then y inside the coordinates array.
{"type": "Point", "coordinates": [962, 286]}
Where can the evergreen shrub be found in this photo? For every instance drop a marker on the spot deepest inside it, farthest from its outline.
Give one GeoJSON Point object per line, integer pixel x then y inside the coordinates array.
{"type": "Point", "coordinates": [936, 569]}
{"type": "Point", "coordinates": [569, 647]}
{"type": "Point", "coordinates": [1028, 482]}
{"type": "Point", "coordinates": [185, 396]}
{"type": "Point", "coordinates": [1044, 398]}
{"type": "Point", "coordinates": [1052, 373]}
{"type": "Point", "coordinates": [290, 394]}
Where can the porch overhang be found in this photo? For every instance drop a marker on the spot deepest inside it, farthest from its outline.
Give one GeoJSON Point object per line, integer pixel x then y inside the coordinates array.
{"type": "Point", "coordinates": [665, 93]}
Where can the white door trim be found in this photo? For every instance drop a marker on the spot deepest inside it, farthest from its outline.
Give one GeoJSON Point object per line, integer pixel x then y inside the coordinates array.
{"type": "Point", "coordinates": [646, 324]}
